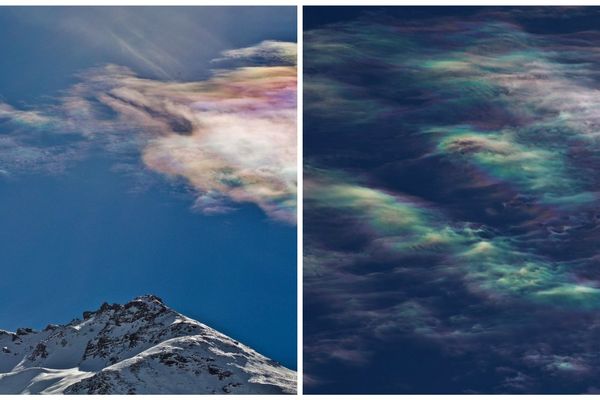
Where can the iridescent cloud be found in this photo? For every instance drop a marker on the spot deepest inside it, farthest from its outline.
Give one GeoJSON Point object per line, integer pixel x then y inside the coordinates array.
{"type": "Point", "coordinates": [232, 137]}
{"type": "Point", "coordinates": [450, 163]}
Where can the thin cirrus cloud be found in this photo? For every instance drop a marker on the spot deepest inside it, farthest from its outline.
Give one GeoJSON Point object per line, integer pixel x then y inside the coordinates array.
{"type": "Point", "coordinates": [268, 50]}
{"type": "Point", "coordinates": [175, 43]}
{"type": "Point", "coordinates": [232, 137]}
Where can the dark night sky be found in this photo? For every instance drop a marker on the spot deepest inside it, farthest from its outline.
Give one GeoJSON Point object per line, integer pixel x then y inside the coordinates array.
{"type": "Point", "coordinates": [451, 199]}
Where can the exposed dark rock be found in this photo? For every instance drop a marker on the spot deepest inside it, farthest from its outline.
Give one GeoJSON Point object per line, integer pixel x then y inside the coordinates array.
{"type": "Point", "coordinates": [214, 370]}
{"type": "Point", "coordinates": [39, 352]}
{"type": "Point", "coordinates": [98, 384]}
{"type": "Point", "coordinates": [149, 297]}
{"type": "Point", "coordinates": [109, 307]}
{"type": "Point", "coordinates": [172, 359]}
{"type": "Point", "coordinates": [24, 331]}
{"type": "Point", "coordinates": [50, 327]}
{"type": "Point", "coordinates": [227, 388]}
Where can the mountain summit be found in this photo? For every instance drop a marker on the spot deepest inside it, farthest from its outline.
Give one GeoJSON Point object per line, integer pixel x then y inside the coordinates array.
{"type": "Point", "coordinates": [139, 347]}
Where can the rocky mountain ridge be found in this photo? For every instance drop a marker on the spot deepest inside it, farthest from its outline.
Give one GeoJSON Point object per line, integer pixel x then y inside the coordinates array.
{"type": "Point", "coordinates": [140, 347]}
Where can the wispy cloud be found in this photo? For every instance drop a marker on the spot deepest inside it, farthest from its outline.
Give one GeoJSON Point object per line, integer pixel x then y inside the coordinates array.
{"type": "Point", "coordinates": [449, 192]}
{"type": "Point", "coordinates": [268, 51]}
{"type": "Point", "coordinates": [232, 137]}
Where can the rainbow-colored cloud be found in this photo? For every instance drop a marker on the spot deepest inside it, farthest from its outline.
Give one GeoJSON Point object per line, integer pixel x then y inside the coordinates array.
{"type": "Point", "coordinates": [232, 137]}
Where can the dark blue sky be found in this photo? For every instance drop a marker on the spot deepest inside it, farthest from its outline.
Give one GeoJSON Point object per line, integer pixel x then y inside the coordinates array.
{"type": "Point", "coordinates": [72, 240]}
{"type": "Point", "coordinates": [451, 200]}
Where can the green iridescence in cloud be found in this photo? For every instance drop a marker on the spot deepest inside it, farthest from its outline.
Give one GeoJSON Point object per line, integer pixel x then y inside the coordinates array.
{"type": "Point", "coordinates": [493, 266]}
{"type": "Point", "coordinates": [484, 95]}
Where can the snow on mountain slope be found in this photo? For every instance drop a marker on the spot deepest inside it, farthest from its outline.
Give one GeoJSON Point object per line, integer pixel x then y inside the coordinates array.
{"type": "Point", "coordinates": [140, 347]}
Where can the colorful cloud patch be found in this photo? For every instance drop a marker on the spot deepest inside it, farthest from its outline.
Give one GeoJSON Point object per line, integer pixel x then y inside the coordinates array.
{"type": "Point", "coordinates": [232, 137]}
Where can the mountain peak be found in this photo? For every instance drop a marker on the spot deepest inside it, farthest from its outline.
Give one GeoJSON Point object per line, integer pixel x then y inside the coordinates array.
{"type": "Point", "coordinates": [149, 298]}
{"type": "Point", "coordinates": [148, 303]}
{"type": "Point", "coordinates": [141, 346]}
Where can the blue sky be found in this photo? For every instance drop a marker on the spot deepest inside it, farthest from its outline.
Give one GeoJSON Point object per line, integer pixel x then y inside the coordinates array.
{"type": "Point", "coordinates": [77, 231]}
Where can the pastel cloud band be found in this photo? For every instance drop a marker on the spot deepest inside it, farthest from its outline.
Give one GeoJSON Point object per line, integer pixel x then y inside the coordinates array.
{"type": "Point", "coordinates": [232, 137]}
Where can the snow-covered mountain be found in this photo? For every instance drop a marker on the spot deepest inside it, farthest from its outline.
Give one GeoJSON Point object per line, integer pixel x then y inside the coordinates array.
{"type": "Point", "coordinates": [139, 347]}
